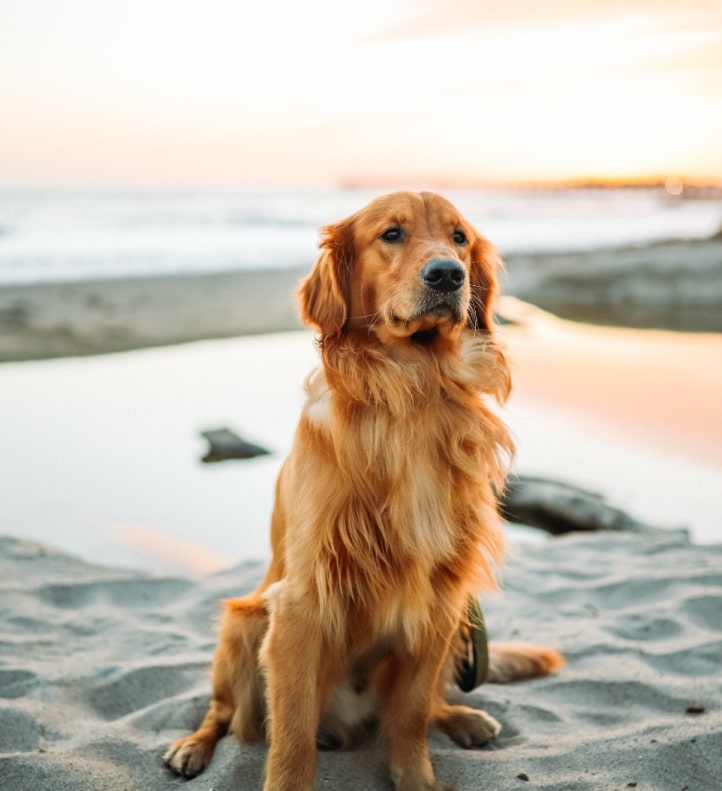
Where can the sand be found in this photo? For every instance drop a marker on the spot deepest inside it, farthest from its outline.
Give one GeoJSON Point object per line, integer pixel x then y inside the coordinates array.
{"type": "Point", "coordinates": [675, 285]}
{"type": "Point", "coordinates": [79, 318]}
{"type": "Point", "coordinates": [102, 668]}
{"type": "Point", "coordinates": [101, 665]}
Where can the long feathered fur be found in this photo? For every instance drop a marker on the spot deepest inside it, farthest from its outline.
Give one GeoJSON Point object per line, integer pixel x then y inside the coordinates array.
{"type": "Point", "coordinates": [390, 527]}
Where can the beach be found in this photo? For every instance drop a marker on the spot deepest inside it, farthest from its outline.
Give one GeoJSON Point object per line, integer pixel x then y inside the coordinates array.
{"type": "Point", "coordinates": [119, 542]}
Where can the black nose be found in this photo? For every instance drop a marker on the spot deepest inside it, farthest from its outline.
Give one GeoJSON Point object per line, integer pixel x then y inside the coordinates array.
{"type": "Point", "coordinates": [443, 274]}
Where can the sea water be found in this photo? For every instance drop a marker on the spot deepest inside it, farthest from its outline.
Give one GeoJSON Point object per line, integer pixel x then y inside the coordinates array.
{"type": "Point", "coordinates": [61, 236]}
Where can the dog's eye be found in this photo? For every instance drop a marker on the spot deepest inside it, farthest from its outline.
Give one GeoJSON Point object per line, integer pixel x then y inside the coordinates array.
{"type": "Point", "coordinates": [393, 234]}
{"type": "Point", "coordinates": [459, 237]}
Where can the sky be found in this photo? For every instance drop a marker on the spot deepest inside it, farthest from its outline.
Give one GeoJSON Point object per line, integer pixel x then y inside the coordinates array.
{"type": "Point", "coordinates": [231, 93]}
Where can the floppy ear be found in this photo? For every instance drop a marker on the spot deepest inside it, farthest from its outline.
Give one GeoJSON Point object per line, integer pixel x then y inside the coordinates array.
{"type": "Point", "coordinates": [485, 263]}
{"type": "Point", "coordinates": [324, 295]}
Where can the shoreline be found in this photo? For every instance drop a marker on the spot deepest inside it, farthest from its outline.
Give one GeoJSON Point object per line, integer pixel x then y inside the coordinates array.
{"type": "Point", "coordinates": [672, 285]}
{"type": "Point", "coordinates": [630, 413]}
{"type": "Point", "coordinates": [82, 318]}
{"type": "Point", "coordinates": [103, 452]}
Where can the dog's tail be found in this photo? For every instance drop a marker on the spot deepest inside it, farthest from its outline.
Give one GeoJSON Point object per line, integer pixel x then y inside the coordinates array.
{"type": "Point", "coordinates": [510, 662]}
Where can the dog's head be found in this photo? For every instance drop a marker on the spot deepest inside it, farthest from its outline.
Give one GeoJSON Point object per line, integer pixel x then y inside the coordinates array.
{"type": "Point", "coordinates": [407, 266]}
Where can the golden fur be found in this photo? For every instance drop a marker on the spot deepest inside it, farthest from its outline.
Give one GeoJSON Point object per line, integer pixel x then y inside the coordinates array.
{"type": "Point", "coordinates": [385, 515]}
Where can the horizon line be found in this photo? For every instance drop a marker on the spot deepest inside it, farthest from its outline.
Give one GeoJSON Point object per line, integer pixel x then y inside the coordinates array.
{"type": "Point", "coordinates": [674, 184]}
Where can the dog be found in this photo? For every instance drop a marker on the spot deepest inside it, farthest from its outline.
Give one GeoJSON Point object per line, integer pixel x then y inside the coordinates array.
{"type": "Point", "coordinates": [385, 521]}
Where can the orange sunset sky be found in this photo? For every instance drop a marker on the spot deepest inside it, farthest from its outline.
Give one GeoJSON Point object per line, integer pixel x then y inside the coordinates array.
{"type": "Point", "coordinates": [230, 93]}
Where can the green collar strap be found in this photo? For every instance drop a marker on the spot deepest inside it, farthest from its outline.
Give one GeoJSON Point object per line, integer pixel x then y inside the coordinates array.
{"type": "Point", "coordinates": [472, 663]}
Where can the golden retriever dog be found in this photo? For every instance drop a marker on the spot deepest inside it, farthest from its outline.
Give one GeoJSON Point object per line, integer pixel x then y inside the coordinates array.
{"type": "Point", "coordinates": [385, 518]}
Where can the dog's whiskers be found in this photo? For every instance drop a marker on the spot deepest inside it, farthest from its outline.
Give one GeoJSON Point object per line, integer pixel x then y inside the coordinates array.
{"type": "Point", "coordinates": [476, 305]}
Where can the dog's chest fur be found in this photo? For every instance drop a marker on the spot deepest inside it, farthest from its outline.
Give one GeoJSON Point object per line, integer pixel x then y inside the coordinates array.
{"type": "Point", "coordinates": [402, 457]}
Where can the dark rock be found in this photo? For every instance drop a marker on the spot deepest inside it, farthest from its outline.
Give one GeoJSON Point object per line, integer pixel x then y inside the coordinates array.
{"type": "Point", "coordinates": [558, 507]}
{"type": "Point", "coordinates": [225, 444]}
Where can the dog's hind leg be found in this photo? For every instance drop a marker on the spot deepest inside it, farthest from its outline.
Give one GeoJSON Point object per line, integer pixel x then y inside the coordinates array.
{"type": "Point", "coordinates": [238, 694]}
{"type": "Point", "coordinates": [466, 726]}
{"type": "Point", "coordinates": [190, 755]}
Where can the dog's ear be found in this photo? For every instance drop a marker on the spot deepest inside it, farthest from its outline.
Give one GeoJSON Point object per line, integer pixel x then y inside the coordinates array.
{"type": "Point", "coordinates": [324, 295]}
{"type": "Point", "coordinates": [485, 264]}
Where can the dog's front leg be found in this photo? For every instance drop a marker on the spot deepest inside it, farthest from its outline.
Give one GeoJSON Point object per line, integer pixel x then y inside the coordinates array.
{"type": "Point", "coordinates": [300, 670]}
{"type": "Point", "coordinates": [410, 687]}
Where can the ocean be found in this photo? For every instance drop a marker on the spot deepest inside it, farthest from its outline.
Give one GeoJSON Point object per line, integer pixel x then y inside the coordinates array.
{"type": "Point", "coordinates": [65, 236]}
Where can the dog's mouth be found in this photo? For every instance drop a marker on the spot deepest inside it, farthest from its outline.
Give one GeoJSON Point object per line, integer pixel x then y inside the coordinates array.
{"type": "Point", "coordinates": [425, 337]}
{"type": "Point", "coordinates": [444, 311]}
{"type": "Point", "coordinates": [423, 330]}
{"type": "Point", "coordinates": [428, 317]}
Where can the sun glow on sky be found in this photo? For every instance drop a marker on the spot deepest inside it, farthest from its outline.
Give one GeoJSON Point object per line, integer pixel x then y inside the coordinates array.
{"type": "Point", "coordinates": [236, 93]}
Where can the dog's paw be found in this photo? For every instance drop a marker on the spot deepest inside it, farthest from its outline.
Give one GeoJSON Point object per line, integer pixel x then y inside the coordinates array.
{"type": "Point", "coordinates": [468, 727]}
{"type": "Point", "coordinates": [413, 784]}
{"type": "Point", "coordinates": [188, 757]}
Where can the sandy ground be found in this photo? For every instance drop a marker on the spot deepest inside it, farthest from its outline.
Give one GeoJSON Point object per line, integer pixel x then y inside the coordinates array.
{"type": "Point", "coordinates": [674, 285]}
{"type": "Point", "coordinates": [63, 319]}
